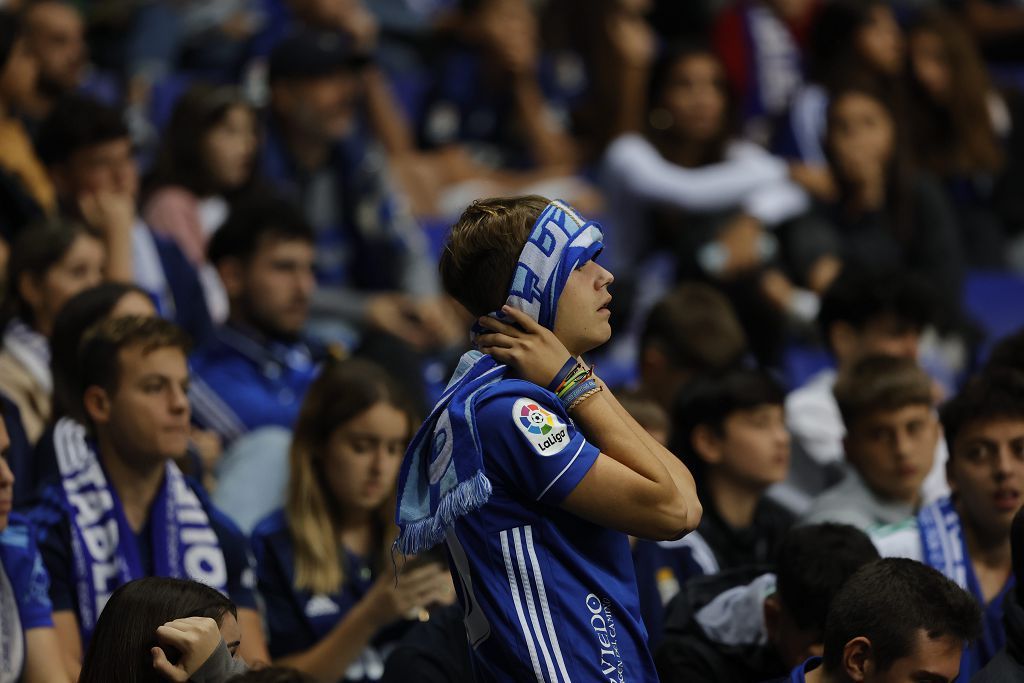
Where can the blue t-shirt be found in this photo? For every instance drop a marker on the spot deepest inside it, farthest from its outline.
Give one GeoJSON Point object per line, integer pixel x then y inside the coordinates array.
{"type": "Point", "coordinates": [24, 568]}
{"type": "Point", "coordinates": [241, 382]}
{"type": "Point", "coordinates": [799, 674]}
{"type": "Point", "coordinates": [299, 619]}
{"type": "Point", "coordinates": [548, 596]}
{"type": "Point", "coordinates": [53, 524]}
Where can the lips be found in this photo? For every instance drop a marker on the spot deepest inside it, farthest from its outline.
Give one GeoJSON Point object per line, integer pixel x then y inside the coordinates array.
{"type": "Point", "coordinates": [1006, 500]}
{"type": "Point", "coordinates": [605, 305]}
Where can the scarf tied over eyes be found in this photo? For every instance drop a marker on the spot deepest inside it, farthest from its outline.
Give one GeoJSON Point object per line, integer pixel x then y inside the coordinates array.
{"type": "Point", "coordinates": [442, 476]}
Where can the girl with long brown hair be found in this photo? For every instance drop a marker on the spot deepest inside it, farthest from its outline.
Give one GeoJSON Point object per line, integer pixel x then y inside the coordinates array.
{"type": "Point", "coordinates": [324, 561]}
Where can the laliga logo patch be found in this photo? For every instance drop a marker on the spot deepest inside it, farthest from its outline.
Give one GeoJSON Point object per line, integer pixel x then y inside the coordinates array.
{"type": "Point", "coordinates": [543, 430]}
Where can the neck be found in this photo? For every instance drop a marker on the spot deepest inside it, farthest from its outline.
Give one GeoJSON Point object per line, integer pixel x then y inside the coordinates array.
{"type": "Point", "coordinates": [355, 531]}
{"type": "Point", "coordinates": [309, 152]}
{"type": "Point", "coordinates": [136, 486]}
{"type": "Point", "coordinates": [991, 550]}
{"type": "Point", "coordinates": [819, 675]}
{"type": "Point", "coordinates": [734, 502]}
{"type": "Point", "coordinates": [869, 194]}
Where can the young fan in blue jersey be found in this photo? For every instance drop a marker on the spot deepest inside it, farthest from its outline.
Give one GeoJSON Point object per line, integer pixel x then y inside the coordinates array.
{"type": "Point", "coordinates": [894, 621]}
{"type": "Point", "coordinates": [530, 471]}
{"type": "Point", "coordinates": [121, 509]}
{"type": "Point", "coordinates": [324, 562]}
{"type": "Point", "coordinates": [27, 637]}
{"type": "Point", "coordinates": [967, 535]}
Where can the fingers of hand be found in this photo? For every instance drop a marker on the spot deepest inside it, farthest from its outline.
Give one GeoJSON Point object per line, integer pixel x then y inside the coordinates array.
{"type": "Point", "coordinates": [496, 325]}
{"type": "Point", "coordinates": [496, 340]}
{"type": "Point", "coordinates": [522, 319]}
{"type": "Point", "coordinates": [164, 666]}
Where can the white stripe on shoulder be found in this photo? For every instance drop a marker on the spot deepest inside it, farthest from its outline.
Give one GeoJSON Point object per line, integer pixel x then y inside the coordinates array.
{"type": "Point", "coordinates": [514, 585]}
{"type": "Point", "coordinates": [564, 469]}
{"type": "Point", "coordinates": [544, 607]}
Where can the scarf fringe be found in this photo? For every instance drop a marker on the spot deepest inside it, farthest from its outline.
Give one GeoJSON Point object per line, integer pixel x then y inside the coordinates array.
{"type": "Point", "coordinates": [467, 496]}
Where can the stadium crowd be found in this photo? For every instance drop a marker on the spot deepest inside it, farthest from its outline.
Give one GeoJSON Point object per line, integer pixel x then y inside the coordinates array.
{"type": "Point", "coordinates": [223, 321]}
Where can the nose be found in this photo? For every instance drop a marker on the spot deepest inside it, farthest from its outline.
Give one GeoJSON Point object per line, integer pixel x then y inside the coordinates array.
{"type": "Point", "coordinates": [6, 475]}
{"type": "Point", "coordinates": [178, 401]}
{"type": "Point", "coordinates": [1002, 464]}
{"type": "Point", "coordinates": [604, 277]}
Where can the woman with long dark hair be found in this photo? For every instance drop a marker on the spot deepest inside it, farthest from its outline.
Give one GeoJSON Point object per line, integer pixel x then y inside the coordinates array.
{"type": "Point", "coordinates": [158, 629]}
{"type": "Point", "coordinates": [205, 162]}
{"type": "Point", "coordinates": [886, 215]}
{"type": "Point", "coordinates": [969, 134]}
{"type": "Point", "coordinates": [324, 561]}
{"type": "Point", "coordinates": [49, 264]}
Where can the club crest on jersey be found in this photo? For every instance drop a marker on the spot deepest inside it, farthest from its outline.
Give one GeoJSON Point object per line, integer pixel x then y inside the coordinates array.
{"type": "Point", "coordinates": [543, 429]}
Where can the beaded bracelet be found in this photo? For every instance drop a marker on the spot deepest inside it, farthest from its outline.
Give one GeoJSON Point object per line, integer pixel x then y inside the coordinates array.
{"type": "Point", "coordinates": [575, 379]}
{"type": "Point", "coordinates": [583, 397]}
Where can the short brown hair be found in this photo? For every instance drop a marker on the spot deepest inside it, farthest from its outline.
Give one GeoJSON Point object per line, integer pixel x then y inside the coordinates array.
{"type": "Point", "coordinates": [881, 383]}
{"type": "Point", "coordinates": [696, 328]}
{"type": "Point", "coordinates": [483, 247]}
{"type": "Point", "coordinates": [98, 354]}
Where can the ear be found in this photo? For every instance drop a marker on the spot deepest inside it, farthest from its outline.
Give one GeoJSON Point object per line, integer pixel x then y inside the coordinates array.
{"type": "Point", "coordinates": [857, 659]}
{"type": "Point", "coordinates": [97, 404]}
{"type": "Point", "coordinates": [843, 339]}
{"type": "Point", "coordinates": [772, 613]}
{"type": "Point", "coordinates": [706, 444]}
{"type": "Point", "coordinates": [232, 275]}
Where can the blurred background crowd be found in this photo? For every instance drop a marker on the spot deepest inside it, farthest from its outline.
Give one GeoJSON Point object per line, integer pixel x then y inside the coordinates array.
{"type": "Point", "coordinates": [793, 192]}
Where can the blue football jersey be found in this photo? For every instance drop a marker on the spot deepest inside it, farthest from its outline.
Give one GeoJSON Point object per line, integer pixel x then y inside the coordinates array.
{"type": "Point", "coordinates": [548, 596]}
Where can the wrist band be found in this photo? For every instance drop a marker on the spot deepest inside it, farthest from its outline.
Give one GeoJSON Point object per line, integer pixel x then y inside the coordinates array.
{"type": "Point", "coordinates": [562, 374]}
{"type": "Point", "coordinates": [583, 397]}
{"type": "Point", "coordinates": [577, 391]}
{"type": "Point", "coordinates": [577, 377]}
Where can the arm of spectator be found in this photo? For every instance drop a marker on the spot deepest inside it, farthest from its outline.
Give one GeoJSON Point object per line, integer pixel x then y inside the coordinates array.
{"type": "Point", "coordinates": [635, 165]}
{"type": "Point", "coordinates": [635, 44]}
{"type": "Point", "coordinates": [65, 623]}
{"type": "Point", "coordinates": [629, 487]}
{"type": "Point", "coordinates": [776, 203]}
{"type": "Point", "coordinates": [384, 604]}
{"type": "Point", "coordinates": [991, 20]}
{"type": "Point", "coordinates": [113, 216]}
{"type": "Point", "coordinates": [172, 212]}
{"type": "Point", "coordinates": [386, 115]}
{"type": "Point", "coordinates": [41, 666]}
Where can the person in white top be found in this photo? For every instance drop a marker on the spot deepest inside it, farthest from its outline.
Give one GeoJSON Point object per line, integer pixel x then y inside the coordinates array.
{"type": "Point", "coordinates": [862, 314]}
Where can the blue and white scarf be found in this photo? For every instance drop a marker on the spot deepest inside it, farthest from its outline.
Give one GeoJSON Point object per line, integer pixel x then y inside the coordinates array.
{"type": "Point", "coordinates": [942, 540]}
{"type": "Point", "coordinates": [443, 476]}
{"type": "Point", "coordinates": [103, 544]}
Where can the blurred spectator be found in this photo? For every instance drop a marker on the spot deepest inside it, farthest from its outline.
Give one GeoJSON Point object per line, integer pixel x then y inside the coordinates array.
{"type": "Point", "coordinates": [50, 263]}
{"type": "Point", "coordinates": [206, 161]}
{"type": "Point", "coordinates": [967, 536]}
{"type": "Point", "coordinates": [689, 186]}
{"type": "Point", "coordinates": [891, 435]}
{"type": "Point", "coordinates": [81, 312]}
{"type": "Point", "coordinates": [30, 641]}
{"type": "Point", "coordinates": [691, 332]}
{"type": "Point", "coordinates": [969, 135]}
{"type": "Point", "coordinates": [256, 368]}
{"type": "Point", "coordinates": [886, 215]}
{"type": "Point", "coordinates": [760, 43]}
{"type": "Point", "coordinates": [55, 34]}
{"type": "Point", "coordinates": [997, 25]}
{"type": "Point", "coordinates": [143, 518]}
{"type": "Point", "coordinates": [26, 192]}
{"type": "Point", "coordinates": [162, 629]}
{"type": "Point", "coordinates": [88, 152]}
{"type": "Point", "coordinates": [325, 559]}
{"type": "Point", "coordinates": [731, 433]}
{"type": "Point", "coordinates": [497, 93]}
{"type": "Point", "coordinates": [754, 631]}
{"type": "Point", "coordinates": [849, 38]}
{"type": "Point", "coordinates": [893, 620]}
{"type": "Point", "coordinates": [434, 651]}
{"type": "Point", "coordinates": [1008, 664]}
{"type": "Point", "coordinates": [862, 314]}
{"type": "Point", "coordinates": [371, 258]}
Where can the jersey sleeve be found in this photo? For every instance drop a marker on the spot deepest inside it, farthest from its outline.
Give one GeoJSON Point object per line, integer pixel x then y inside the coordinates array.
{"type": "Point", "coordinates": [54, 534]}
{"type": "Point", "coordinates": [31, 583]}
{"type": "Point", "coordinates": [532, 446]}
